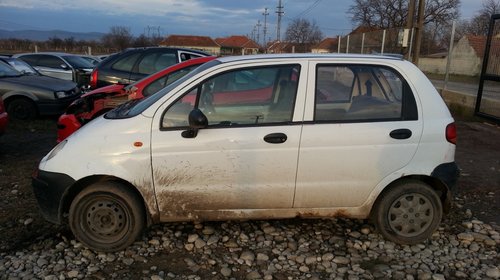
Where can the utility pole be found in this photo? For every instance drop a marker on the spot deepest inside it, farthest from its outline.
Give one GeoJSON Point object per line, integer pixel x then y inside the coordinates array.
{"type": "Point", "coordinates": [280, 13]}
{"type": "Point", "coordinates": [265, 14]}
{"type": "Point", "coordinates": [420, 30]}
{"type": "Point", "coordinates": [258, 31]}
{"type": "Point", "coordinates": [410, 22]}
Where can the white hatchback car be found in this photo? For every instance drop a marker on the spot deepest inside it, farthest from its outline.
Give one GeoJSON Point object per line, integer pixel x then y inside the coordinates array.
{"type": "Point", "coordinates": [261, 137]}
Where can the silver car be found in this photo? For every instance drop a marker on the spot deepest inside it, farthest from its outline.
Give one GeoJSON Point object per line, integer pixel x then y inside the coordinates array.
{"type": "Point", "coordinates": [60, 65]}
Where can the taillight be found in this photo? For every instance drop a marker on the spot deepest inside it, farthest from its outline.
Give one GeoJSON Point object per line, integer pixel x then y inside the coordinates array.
{"type": "Point", "coordinates": [93, 79]}
{"type": "Point", "coordinates": [451, 133]}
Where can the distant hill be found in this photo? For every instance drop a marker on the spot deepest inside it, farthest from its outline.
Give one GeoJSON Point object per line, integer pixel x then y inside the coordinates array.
{"type": "Point", "coordinates": [38, 35]}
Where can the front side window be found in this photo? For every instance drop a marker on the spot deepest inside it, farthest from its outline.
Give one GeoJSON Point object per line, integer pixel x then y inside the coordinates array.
{"type": "Point", "coordinates": [242, 97]}
{"type": "Point", "coordinates": [361, 93]}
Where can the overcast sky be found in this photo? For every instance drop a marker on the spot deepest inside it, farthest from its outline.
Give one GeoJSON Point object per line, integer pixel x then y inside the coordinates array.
{"type": "Point", "coordinates": [213, 18]}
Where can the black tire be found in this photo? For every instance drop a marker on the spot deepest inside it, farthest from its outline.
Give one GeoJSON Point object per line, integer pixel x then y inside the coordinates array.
{"type": "Point", "coordinates": [408, 213]}
{"type": "Point", "coordinates": [107, 217]}
{"type": "Point", "coordinates": [22, 109]}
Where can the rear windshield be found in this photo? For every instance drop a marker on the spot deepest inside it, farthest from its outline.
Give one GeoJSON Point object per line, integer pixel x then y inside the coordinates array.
{"type": "Point", "coordinates": [78, 62]}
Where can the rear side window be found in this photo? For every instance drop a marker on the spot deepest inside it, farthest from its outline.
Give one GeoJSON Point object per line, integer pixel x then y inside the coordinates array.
{"type": "Point", "coordinates": [50, 61]}
{"type": "Point", "coordinates": [154, 62]}
{"type": "Point", "coordinates": [126, 63]}
{"type": "Point", "coordinates": [166, 80]}
{"type": "Point", "coordinates": [30, 59]}
{"type": "Point", "coordinates": [346, 93]}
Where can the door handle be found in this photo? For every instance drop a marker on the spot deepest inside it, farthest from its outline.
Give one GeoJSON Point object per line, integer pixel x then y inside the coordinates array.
{"type": "Point", "coordinates": [402, 133]}
{"type": "Point", "coordinates": [275, 138]}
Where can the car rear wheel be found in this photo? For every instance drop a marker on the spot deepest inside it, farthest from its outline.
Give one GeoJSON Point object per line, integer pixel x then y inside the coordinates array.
{"type": "Point", "coordinates": [408, 213]}
{"type": "Point", "coordinates": [107, 217]}
{"type": "Point", "coordinates": [22, 108]}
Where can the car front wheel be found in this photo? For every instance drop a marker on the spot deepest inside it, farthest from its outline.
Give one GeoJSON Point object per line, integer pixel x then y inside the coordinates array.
{"type": "Point", "coordinates": [107, 217]}
{"type": "Point", "coordinates": [408, 213]}
{"type": "Point", "coordinates": [22, 109]}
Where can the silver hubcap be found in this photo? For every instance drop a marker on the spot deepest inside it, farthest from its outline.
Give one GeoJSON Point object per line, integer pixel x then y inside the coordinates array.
{"type": "Point", "coordinates": [410, 215]}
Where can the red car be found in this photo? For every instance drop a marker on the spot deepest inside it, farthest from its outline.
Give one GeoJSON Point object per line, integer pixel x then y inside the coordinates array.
{"type": "Point", "coordinates": [101, 100]}
{"type": "Point", "coordinates": [3, 117]}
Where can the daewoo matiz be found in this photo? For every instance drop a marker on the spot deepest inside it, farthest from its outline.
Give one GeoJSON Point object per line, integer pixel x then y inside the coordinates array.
{"type": "Point", "coordinates": [261, 137]}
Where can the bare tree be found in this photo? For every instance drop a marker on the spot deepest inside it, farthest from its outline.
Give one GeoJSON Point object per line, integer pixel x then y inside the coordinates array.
{"type": "Point", "coordinates": [478, 25]}
{"type": "Point", "coordinates": [118, 37]}
{"type": "Point", "coordinates": [303, 33]}
{"type": "Point", "coordinates": [386, 14]}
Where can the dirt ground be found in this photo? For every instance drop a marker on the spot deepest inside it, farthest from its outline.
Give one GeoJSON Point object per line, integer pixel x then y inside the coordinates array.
{"type": "Point", "coordinates": [25, 143]}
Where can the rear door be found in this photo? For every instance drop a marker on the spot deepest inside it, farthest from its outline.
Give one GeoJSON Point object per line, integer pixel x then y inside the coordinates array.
{"type": "Point", "coordinates": [364, 126]}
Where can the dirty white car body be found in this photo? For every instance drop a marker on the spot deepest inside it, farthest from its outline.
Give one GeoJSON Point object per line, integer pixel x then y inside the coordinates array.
{"type": "Point", "coordinates": [324, 159]}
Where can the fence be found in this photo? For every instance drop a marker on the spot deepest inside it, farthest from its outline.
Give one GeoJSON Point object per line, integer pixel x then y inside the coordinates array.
{"type": "Point", "coordinates": [489, 83]}
{"type": "Point", "coordinates": [12, 46]}
{"type": "Point", "coordinates": [387, 41]}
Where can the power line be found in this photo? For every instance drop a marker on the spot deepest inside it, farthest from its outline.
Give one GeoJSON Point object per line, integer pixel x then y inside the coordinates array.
{"type": "Point", "coordinates": [308, 10]}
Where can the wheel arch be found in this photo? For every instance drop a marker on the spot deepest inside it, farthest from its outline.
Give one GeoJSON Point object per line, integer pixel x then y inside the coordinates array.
{"type": "Point", "coordinates": [441, 189]}
{"type": "Point", "coordinates": [83, 183]}
{"type": "Point", "coordinates": [9, 96]}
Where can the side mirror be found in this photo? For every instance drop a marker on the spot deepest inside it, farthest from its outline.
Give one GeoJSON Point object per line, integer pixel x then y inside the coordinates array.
{"type": "Point", "coordinates": [64, 66]}
{"type": "Point", "coordinates": [196, 120]}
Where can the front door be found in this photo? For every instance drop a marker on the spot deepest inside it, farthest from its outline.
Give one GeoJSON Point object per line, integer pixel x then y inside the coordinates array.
{"type": "Point", "coordinates": [246, 158]}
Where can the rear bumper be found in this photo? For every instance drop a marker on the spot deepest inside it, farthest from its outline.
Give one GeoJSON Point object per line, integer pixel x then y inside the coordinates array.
{"type": "Point", "coordinates": [447, 173]}
{"type": "Point", "coordinates": [49, 189]}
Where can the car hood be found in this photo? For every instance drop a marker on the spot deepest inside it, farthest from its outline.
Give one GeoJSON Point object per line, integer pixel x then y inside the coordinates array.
{"type": "Point", "coordinates": [43, 82]}
{"type": "Point", "coordinates": [106, 90]}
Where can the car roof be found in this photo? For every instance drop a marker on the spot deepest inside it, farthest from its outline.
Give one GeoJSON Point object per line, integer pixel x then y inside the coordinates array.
{"type": "Point", "coordinates": [171, 48]}
{"type": "Point", "coordinates": [49, 53]}
{"type": "Point", "coordinates": [227, 59]}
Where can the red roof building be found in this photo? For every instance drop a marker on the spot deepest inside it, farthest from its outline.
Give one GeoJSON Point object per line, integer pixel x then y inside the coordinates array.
{"type": "Point", "coordinates": [328, 45]}
{"type": "Point", "coordinates": [202, 43]}
{"type": "Point", "coordinates": [237, 45]}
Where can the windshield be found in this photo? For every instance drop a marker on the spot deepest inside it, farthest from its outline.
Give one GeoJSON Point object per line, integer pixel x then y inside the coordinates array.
{"type": "Point", "coordinates": [8, 71]}
{"type": "Point", "coordinates": [78, 62]}
{"type": "Point", "coordinates": [22, 66]}
{"type": "Point", "coordinates": [135, 107]}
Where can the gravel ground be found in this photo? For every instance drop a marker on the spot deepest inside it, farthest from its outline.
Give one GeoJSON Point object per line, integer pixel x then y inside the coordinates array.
{"type": "Point", "coordinates": [464, 247]}
{"type": "Point", "coordinates": [290, 249]}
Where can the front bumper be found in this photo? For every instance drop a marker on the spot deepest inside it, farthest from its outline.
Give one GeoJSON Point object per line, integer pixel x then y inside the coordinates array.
{"type": "Point", "coordinates": [55, 107]}
{"type": "Point", "coordinates": [66, 125]}
{"type": "Point", "coordinates": [49, 189]}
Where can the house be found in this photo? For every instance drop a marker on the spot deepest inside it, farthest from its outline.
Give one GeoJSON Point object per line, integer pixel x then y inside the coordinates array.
{"type": "Point", "coordinates": [466, 58]}
{"type": "Point", "coordinates": [202, 43]}
{"type": "Point", "coordinates": [237, 45]}
{"type": "Point", "coordinates": [328, 45]}
{"type": "Point", "coordinates": [284, 47]}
